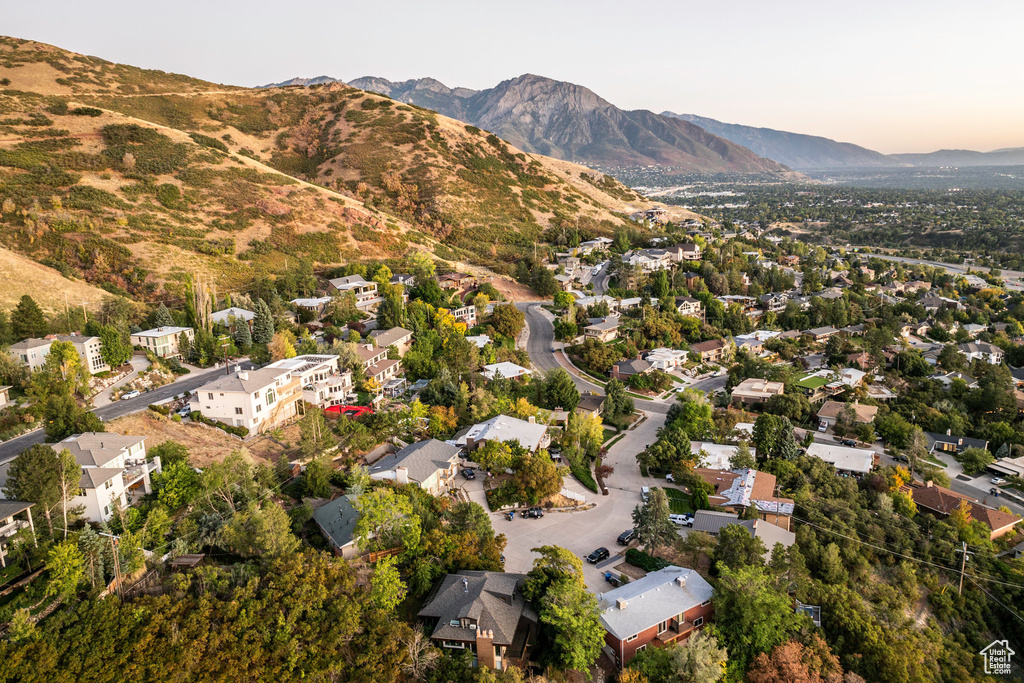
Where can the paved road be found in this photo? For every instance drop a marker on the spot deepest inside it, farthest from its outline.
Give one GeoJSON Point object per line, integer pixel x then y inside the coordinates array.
{"type": "Point", "coordinates": [10, 449]}
{"type": "Point", "coordinates": [950, 267]}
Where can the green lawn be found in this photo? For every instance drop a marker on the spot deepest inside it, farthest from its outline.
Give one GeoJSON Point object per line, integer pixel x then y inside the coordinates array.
{"type": "Point", "coordinates": [678, 502]}
{"type": "Point", "coordinates": [608, 433]}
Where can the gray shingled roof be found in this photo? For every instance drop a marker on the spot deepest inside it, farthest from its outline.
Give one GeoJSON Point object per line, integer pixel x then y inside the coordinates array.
{"type": "Point", "coordinates": [96, 449]}
{"type": "Point", "coordinates": [490, 599]}
{"type": "Point", "coordinates": [422, 459]}
{"type": "Point", "coordinates": [386, 338]}
{"type": "Point", "coordinates": [247, 381]}
{"type": "Point", "coordinates": [641, 604]}
{"type": "Point", "coordinates": [337, 520]}
{"type": "Point", "coordinates": [633, 366]}
{"type": "Point", "coordinates": [9, 508]}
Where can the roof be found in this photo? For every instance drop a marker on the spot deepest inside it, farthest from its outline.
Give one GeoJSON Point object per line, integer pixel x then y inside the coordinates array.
{"type": "Point", "coordinates": [937, 498]}
{"type": "Point", "coordinates": [386, 338]}
{"type": "Point", "coordinates": [349, 281]}
{"type": "Point", "coordinates": [980, 347]}
{"type": "Point", "coordinates": [245, 381]}
{"type": "Point", "coordinates": [659, 596]}
{"type": "Point", "coordinates": [9, 508]}
{"type": "Point", "coordinates": [633, 366]}
{"type": "Point", "coordinates": [812, 381]}
{"type": "Point", "coordinates": [994, 519]}
{"type": "Point", "coordinates": [421, 459]}
{"type": "Point", "coordinates": [711, 345]}
{"type": "Point", "coordinates": [758, 388]}
{"type": "Point", "coordinates": [480, 340]}
{"type": "Point", "coordinates": [960, 442]}
{"type": "Point", "coordinates": [712, 522]}
{"type": "Point", "coordinates": [311, 303]}
{"type": "Point", "coordinates": [337, 520]}
{"type": "Point", "coordinates": [590, 403]}
{"type": "Point", "coordinates": [842, 457]}
{"type": "Point", "coordinates": [238, 313]}
{"type": "Point", "coordinates": [821, 331]}
{"type": "Point", "coordinates": [718, 455]}
{"type": "Point", "coordinates": [28, 344]}
{"type": "Point", "coordinates": [96, 449]}
{"type": "Point", "coordinates": [158, 332]}
{"type": "Point", "coordinates": [381, 365]}
{"type": "Point", "coordinates": [864, 413]}
{"type": "Point", "coordinates": [95, 477]}
{"type": "Point", "coordinates": [506, 428]}
{"type": "Point", "coordinates": [489, 599]}
{"type": "Point", "coordinates": [505, 369]}
{"type": "Point", "coordinates": [605, 325]}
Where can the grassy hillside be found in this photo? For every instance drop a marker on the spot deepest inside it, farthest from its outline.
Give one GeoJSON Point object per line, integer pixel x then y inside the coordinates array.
{"type": "Point", "coordinates": [129, 177]}
{"type": "Point", "coordinates": [20, 275]}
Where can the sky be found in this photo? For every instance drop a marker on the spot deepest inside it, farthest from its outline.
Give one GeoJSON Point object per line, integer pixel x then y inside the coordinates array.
{"type": "Point", "coordinates": [895, 76]}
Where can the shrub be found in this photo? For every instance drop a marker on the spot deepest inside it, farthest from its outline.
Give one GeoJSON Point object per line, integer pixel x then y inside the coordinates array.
{"type": "Point", "coordinates": [207, 141]}
{"type": "Point", "coordinates": [163, 410]}
{"type": "Point", "coordinates": [648, 563]}
{"type": "Point", "coordinates": [86, 111]}
{"type": "Point", "coordinates": [584, 476]}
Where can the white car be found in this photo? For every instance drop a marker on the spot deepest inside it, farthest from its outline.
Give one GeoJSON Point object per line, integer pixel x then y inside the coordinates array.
{"type": "Point", "coordinates": [645, 493]}
{"type": "Point", "coordinates": [670, 478]}
{"type": "Point", "coordinates": [134, 393]}
{"type": "Point", "coordinates": [998, 481]}
{"type": "Point", "coordinates": [681, 520]}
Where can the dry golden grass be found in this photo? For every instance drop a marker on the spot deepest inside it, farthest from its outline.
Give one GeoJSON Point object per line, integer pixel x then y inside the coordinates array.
{"type": "Point", "coordinates": [20, 275]}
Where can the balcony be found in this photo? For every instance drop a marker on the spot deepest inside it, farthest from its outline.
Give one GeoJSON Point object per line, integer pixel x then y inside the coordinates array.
{"type": "Point", "coordinates": [14, 527]}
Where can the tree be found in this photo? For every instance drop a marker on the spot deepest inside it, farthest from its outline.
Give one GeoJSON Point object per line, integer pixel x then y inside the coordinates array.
{"type": "Point", "coordinates": [162, 317]}
{"type": "Point", "coordinates": [508, 320]}
{"type": "Point", "coordinates": [792, 662]}
{"type": "Point", "coordinates": [263, 323]}
{"type": "Point", "coordinates": [751, 615]}
{"type": "Point", "coordinates": [33, 477]}
{"type": "Point", "coordinates": [62, 417]}
{"type": "Point", "coordinates": [115, 349]}
{"type": "Point", "coordinates": [651, 523]}
{"type": "Point", "coordinates": [536, 478]}
{"type": "Point", "coordinates": [314, 435]}
{"type": "Point", "coordinates": [261, 532]}
{"type": "Point", "coordinates": [617, 401]}
{"type": "Point", "coordinates": [699, 543]}
{"type": "Point", "coordinates": [316, 483]}
{"type": "Point", "coordinates": [27, 320]}
{"type": "Point", "coordinates": [583, 437]}
{"type": "Point", "coordinates": [569, 612]}
{"type": "Point", "coordinates": [386, 520]}
{"type": "Point", "coordinates": [563, 300]}
{"type": "Point", "coordinates": [737, 547]}
{"type": "Point", "coordinates": [743, 459]}
{"type": "Point", "coordinates": [386, 587]}
{"type": "Point", "coordinates": [974, 460]}
{"type": "Point", "coordinates": [69, 476]}
{"type": "Point", "coordinates": [243, 337]}
{"type": "Point", "coordinates": [67, 570]}
{"type": "Point", "coordinates": [421, 266]}
{"type": "Point", "coordinates": [560, 391]}
{"type": "Point", "coordinates": [555, 564]}
{"type": "Point", "coordinates": [281, 346]}
{"type": "Point", "coordinates": [701, 659]}
{"type": "Point", "coordinates": [63, 371]}
{"type": "Point", "coordinates": [391, 311]}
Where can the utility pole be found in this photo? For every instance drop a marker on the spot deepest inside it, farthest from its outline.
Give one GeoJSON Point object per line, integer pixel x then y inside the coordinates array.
{"type": "Point", "coordinates": [963, 565]}
{"type": "Point", "coordinates": [67, 311]}
{"type": "Point", "coordinates": [117, 565]}
{"type": "Point", "coordinates": [85, 313]}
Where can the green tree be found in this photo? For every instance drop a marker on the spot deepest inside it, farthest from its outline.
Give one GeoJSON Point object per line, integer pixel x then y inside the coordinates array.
{"type": "Point", "coordinates": [536, 478]}
{"type": "Point", "coordinates": [386, 587]}
{"type": "Point", "coordinates": [391, 311]}
{"type": "Point", "coordinates": [33, 476]}
{"type": "Point", "coordinates": [62, 417]}
{"type": "Point", "coordinates": [742, 459]}
{"type": "Point", "coordinates": [263, 323]}
{"type": "Point", "coordinates": [583, 437]}
{"type": "Point", "coordinates": [508, 320]}
{"type": "Point", "coordinates": [554, 565]}
{"type": "Point", "coordinates": [386, 520]}
{"type": "Point", "coordinates": [752, 616]}
{"type": "Point", "coordinates": [115, 349]}
{"type": "Point", "coordinates": [316, 482]}
{"type": "Point", "coordinates": [261, 531]}
{"type": "Point", "coordinates": [651, 523]}
{"type": "Point", "coordinates": [69, 476]}
{"type": "Point", "coordinates": [974, 460]}
{"type": "Point", "coordinates": [314, 435]}
{"type": "Point", "coordinates": [27, 320]}
{"type": "Point", "coordinates": [243, 337]}
{"type": "Point", "coordinates": [737, 547]}
{"type": "Point", "coordinates": [700, 659]}
{"type": "Point", "coordinates": [560, 391]}
{"type": "Point", "coordinates": [570, 614]}
{"type": "Point", "coordinates": [162, 317]}
{"type": "Point", "coordinates": [66, 567]}
{"type": "Point", "coordinates": [617, 400]}
{"type": "Point", "coordinates": [63, 372]}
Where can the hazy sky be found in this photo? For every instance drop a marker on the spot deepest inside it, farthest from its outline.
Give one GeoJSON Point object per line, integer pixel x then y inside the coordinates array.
{"type": "Point", "coordinates": [896, 75]}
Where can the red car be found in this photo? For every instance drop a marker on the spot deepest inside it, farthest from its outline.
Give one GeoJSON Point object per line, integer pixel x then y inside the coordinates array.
{"type": "Point", "coordinates": [349, 411]}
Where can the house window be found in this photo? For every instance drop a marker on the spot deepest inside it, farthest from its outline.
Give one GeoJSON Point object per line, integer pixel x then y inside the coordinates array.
{"type": "Point", "coordinates": [258, 407]}
{"type": "Point", "coordinates": [109, 484]}
{"type": "Point", "coordinates": [238, 411]}
{"type": "Point", "coordinates": [699, 621]}
{"type": "Point", "coordinates": [632, 638]}
{"type": "Point", "coordinates": [106, 509]}
{"type": "Point", "coordinates": [210, 395]}
{"type": "Point", "coordinates": [270, 397]}
{"type": "Point", "coordinates": [642, 647]}
{"type": "Point", "coordinates": [453, 644]}
{"type": "Point", "coordinates": [662, 627]}
{"type": "Point", "coordinates": [705, 603]}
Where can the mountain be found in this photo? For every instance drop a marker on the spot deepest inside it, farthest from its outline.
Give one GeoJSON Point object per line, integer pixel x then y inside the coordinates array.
{"type": "Point", "coordinates": [135, 179]}
{"type": "Point", "coordinates": [796, 150]}
{"type": "Point", "coordinates": [316, 80]}
{"type": "Point", "coordinates": [568, 121]}
{"type": "Point", "coordinates": [1012, 156]}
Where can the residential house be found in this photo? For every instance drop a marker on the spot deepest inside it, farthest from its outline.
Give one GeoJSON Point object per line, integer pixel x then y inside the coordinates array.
{"type": "Point", "coordinates": [231, 317]}
{"type": "Point", "coordinates": [846, 460]}
{"type": "Point", "coordinates": [323, 383]}
{"type": "Point", "coordinates": [114, 471]}
{"type": "Point", "coordinates": [820, 334]}
{"type": "Point", "coordinates": [990, 353]}
{"type": "Point", "coordinates": [5, 395]}
{"type": "Point", "coordinates": [752, 390]}
{"type": "Point", "coordinates": [863, 414]}
{"type": "Point", "coordinates": [591, 246]}
{"type": "Point", "coordinates": [259, 400]}
{"type": "Point", "coordinates": [604, 331]}
{"type": "Point", "coordinates": [384, 370]}
{"type": "Point", "coordinates": [479, 341]}
{"type": "Point", "coordinates": [316, 307]}
{"type": "Point", "coordinates": [407, 281]}
{"type": "Point", "coordinates": [749, 306]}
{"type": "Point", "coordinates": [370, 355]}
{"type": "Point", "coordinates": [713, 455]}
{"type": "Point", "coordinates": [789, 260]}
{"type": "Point", "coordinates": [774, 302]}
{"type": "Point", "coordinates": [465, 314]}
{"type": "Point", "coordinates": [973, 329]}
{"type": "Point", "coordinates": [712, 351]}
{"type": "Point", "coordinates": [484, 613]}
{"type": "Point", "coordinates": [528, 433]}
{"type": "Point", "coordinates": [505, 370]}
{"type": "Point", "coordinates": [948, 443]}
{"type": "Point", "coordinates": [11, 523]}
{"type": "Point", "coordinates": [625, 369]}
{"type": "Point", "coordinates": [337, 521]}
{"type": "Point", "coordinates": [692, 279]}
{"type": "Point", "coordinates": [431, 465]}
{"type": "Point", "coordinates": [666, 359]}
{"type": "Point", "coordinates": [687, 305]}
{"type": "Point", "coordinates": [948, 378]}
{"type": "Point", "coordinates": [457, 281]}
{"type": "Point", "coordinates": [664, 607]}
{"type": "Point", "coordinates": [367, 296]}
{"type": "Point", "coordinates": [163, 341]}
{"type": "Point", "coordinates": [713, 521]}
{"type": "Point", "coordinates": [590, 404]}
{"type": "Point", "coordinates": [863, 360]}
{"type": "Point", "coordinates": [738, 490]}
{"type": "Point", "coordinates": [32, 353]}
{"type": "Point", "coordinates": [942, 502]}
{"type": "Point", "coordinates": [690, 252]}
{"type": "Point", "coordinates": [399, 337]}
{"type": "Point", "coordinates": [814, 386]}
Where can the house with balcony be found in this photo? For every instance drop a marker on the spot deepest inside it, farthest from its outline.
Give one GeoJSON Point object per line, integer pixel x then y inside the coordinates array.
{"type": "Point", "coordinates": [431, 465]}
{"type": "Point", "coordinates": [666, 359]}
{"type": "Point", "coordinates": [323, 383]}
{"type": "Point", "coordinates": [774, 302]}
{"type": "Point", "coordinates": [483, 613]}
{"type": "Point", "coordinates": [456, 281]}
{"type": "Point", "coordinates": [163, 341]}
{"type": "Point", "coordinates": [990, 353]}
{"type": "Point", "coordinates": [664, 607]}
{"type": "Point", "coordinates": [713, 351]}
{"type": "Point", "coordinates": [15, 515]}
{"type": "Point", "coordinates": [384, 370]}
{"type": "Point", "coordinates": [465, 314]}
{"type": "Point", "coordinates": [595, 245]}
{"type": "Point", "coordinates": [114, 471]}
{"type": "Point", "coordinates": [604, 331]}
{"type": "Point", "coordinates": [687, 305]}
{"type": "Point", "coordinates": [259, 400]}
{"type": "Point", "coordinates": [821, 334]}
{"type": "Point", "coordinates": [370, 354]}
{"type": "Point", "coordinates": [314, 307]}
{"type": "Point", "coordinates": [399, 337]}
{"type": "Point", "coordinates": [367, 297]}
{"type": "Point", "coordinates": [32, 353]}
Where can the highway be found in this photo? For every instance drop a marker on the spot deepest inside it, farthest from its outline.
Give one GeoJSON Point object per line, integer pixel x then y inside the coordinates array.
{"type": "Point", "coordinates": [10, 449]}
{"type": "Point", "coordinates": [950, 267]}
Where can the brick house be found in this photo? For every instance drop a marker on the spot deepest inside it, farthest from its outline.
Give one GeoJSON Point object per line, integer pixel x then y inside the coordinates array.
{"type": "Point", "coordinates": [664, 607]}
{"type": "Point", "coordinates": [712, 351]}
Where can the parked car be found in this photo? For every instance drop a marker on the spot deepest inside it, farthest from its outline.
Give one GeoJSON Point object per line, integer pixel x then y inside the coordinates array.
{"type": "Point", "coordinates": [645, 492]}
{"type": "Point", "coordinates": [823, 426]}
{"type": "Point", "coordinates": [998, 481]}
{"type": "Point", "coordinates": [134, 393]}
{"type": "Point", "coordinates": [598, 555]}
{"type": "Point", "coordinates": [626, 536]}
{"type": "Point", "coordinates": [681, 520]}
{"type": "Point", "coordinates": [852, 443]}
{"type": "Point", "coordinates": [185, 411]}
{"type": "Point", "coordinates": [901, 458]}
{"type": "Point", "coordinates": [468, 473]}
{"type": "Point", "coordinates": [534, 512]}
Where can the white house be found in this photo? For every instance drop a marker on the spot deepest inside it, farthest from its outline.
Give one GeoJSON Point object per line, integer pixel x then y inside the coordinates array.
{"type": "Point", "coordinates": [367, 298]}
{"type": "Point", "coordinates": [114, 470]}
{"type": "Point", "coordinates": [505, 370]}
{"type": "Point", "coordinates": [230, 317]}
{"type": "Point", "coordinates": [844, 459]}
{"type": "Point", "coordinates": [33, 352]}
{"type": "Point", "coordinates": [431, 465]}
{"type": "Point", "coordinates": [989, 353]}
{"type": "Point", "coordinates": [529, 434]}
{"type": "Point", "coordinates": [315, 305]}
{"type": "Point", "coordinates": [163, 341]}
{"type": "Point", "coordinates": [323, 383]}
{"type": "Point", "coordinates": [666, 359]}
{"type": "Point", "coordinates": [259, 400]}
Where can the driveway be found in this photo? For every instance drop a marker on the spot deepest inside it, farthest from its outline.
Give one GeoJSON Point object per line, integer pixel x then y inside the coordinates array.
{"type": "Point", "coordinates": [139, 363]}
{"type": "Point", "coordinates": [582, 532]}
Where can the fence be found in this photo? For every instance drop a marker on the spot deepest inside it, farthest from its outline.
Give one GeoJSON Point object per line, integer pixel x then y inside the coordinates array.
{"type": "Point", "coordinates": [578, 497]}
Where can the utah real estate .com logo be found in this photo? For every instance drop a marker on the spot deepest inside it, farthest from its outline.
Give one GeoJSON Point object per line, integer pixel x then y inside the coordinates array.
{"type": "Point", "coordinates": [997, 657]}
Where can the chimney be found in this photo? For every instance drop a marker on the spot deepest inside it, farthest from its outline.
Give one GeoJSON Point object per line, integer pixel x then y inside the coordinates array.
{"type": "Point", "coordinates": [532, 419]}
{"type": "Point", "coordinates": [485, 649]}
{"type": "Point", "coordinates": [949, 432]}
{"type": "Point", "coordinates": [243, 375]}
{"type": "Point", "coordinates": [929, 484]}
{"type": "Point", "coordinates": [621, 603]}
{"type": "Point", "coordinates": [402, 477]}
{"type": "Point", "coordinates": [465, 585]}
{"type": "Point", "coordinates": [681, 580]}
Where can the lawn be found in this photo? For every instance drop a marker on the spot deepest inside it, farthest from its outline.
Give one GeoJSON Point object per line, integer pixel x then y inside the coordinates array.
{"type": "Point", "coordinates": [678, 502]}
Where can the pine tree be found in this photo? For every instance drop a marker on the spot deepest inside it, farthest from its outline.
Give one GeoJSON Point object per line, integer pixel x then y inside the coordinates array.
{"type": "Point", "coordinates": [243, 338]}
{"type": "Point", "coordinates": [162, 317]}
{"type": "Point", "coordinates": [27, 320]}
{"type": "Point", "coordinates": [263, 324]}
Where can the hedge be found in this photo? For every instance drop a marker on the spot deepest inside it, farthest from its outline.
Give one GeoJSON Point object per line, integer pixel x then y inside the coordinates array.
{"type": "Point", "coordinates": [584, 476]}
{"type": "Point", "coordinates": [196, 416]}
{"type": "Point", "coordinates": [648, 563]}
